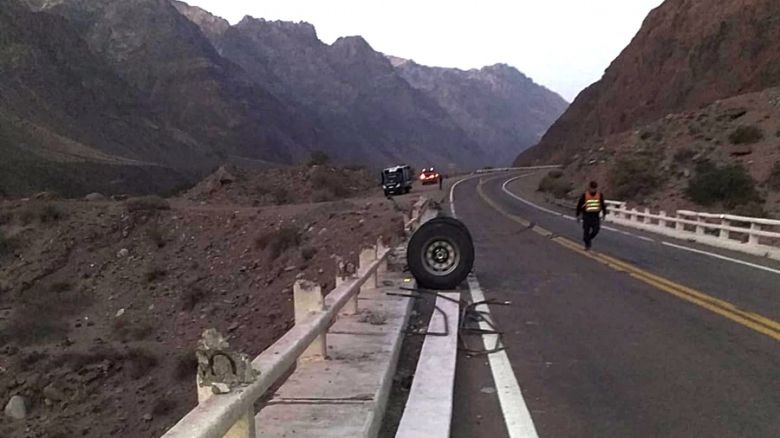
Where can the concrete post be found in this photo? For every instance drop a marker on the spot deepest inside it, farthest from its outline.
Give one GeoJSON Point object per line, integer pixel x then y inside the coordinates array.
{"type": "Point", "coordinates": [752, 238]}
{"type": "Point", "coordinates": [244, 427]}
{"type": "Point", "coordinates": [662, 222]}
{"type": "Point", "coordinates": [367, 258]}
{"type": "Point", "coordinates": [220, 370]}
{"type": "Point", "coordinates": [724, 234]}
{"type": "Point", "coordinates": [380, 249]}
{"type": "Point", "coordinates": [346, 272]}
{"type": "Point", "coordinates": [308, 300]}
{"type": "Point", "coordinates": [679, 226]}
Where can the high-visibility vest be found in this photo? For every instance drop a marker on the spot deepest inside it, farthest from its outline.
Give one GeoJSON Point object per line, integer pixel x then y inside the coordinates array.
{"type": "Point", "coordinates": [592, 202]}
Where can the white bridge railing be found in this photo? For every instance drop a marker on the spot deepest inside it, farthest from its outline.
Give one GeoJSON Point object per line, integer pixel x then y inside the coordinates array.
{"type": "Point", "coordinates": [751, 235]}
{"type": "Point", "coordinates": [232, 414]}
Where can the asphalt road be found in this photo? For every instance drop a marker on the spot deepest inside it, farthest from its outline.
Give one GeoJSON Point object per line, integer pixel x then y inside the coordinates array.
{"type": "Point", "coordinates": [634, 339]}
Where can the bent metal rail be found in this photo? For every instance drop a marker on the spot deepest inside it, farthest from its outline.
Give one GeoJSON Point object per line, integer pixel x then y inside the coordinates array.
{"type": "Point", "coordinates": [750, 235]}
{"type": "Point", "coordinates": [216, 416]}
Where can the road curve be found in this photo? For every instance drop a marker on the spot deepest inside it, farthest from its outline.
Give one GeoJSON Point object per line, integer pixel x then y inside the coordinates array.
{"type": "Point", "coordinates": [639, 338]}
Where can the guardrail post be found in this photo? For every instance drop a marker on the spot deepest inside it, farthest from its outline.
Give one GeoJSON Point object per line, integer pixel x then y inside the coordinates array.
{"type": "Point", "coordinates": [380, 249]}
{"type": "Point", "coordinates": [308, 300]}
{"type": "Point", "coordinates": [679, 225]}
{"type": "Point", "coordinates": [662, 221]}
{"type": "Point", "coordinates": [752, 238]}
{"type": "Point", "coordinates": [219, 371]}
{"type": "Point", "coordinates": [722, 233]}
{"type": "Point", "coordinates": [345, 272]}
{"type": "Point", "coordinates": [367, 258]}
{"type": "Point", "coordinates": [699, 226]}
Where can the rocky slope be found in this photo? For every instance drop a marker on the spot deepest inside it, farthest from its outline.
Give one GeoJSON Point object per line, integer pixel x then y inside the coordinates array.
{"type": "Point", "coordinates": [101, 303]}
{"type": "Point", "coordinates": [498, 106]}
{"type": "Point", "coordinates": [687, 56]}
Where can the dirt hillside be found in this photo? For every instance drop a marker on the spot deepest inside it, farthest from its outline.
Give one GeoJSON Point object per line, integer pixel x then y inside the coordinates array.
{"type": "Point", "coordinates": [101, 302]}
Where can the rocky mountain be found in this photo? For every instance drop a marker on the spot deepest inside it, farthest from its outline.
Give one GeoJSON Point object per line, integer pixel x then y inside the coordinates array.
{"type": "Point", "coordinates": [68, 121]}
{"type": "Point", "coordinates": [687, 107]}
{"type": "Point", "coordinates": [172, 63]}
{"type": "Point", "coordinates": [500, 107]}
{"type": "Point", "coordinates": [365, 106]}
{"type": "Point", "coordinates": [687, 54]}
{"type": "Point", "coordinates": [134, 88]}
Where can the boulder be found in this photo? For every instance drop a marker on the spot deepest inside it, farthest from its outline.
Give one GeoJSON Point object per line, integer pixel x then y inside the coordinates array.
{"type": "Point", "coordinates": [16, 408]}
{"type": "Point", "coordinates": [95, 197]}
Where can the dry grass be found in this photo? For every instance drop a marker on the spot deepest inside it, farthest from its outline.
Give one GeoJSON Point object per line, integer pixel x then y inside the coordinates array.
{"type": "Point", "coordinates": [746, 134]}
{"type": "Point", "coordinates": [155, 274]}
{"type": "Point", "coordinates": [125, 330]}
{"type": "Point", "coordinates": [42, 313]}
{"type": "Point", "coordinates": [147, 203]}
{"type": "Point", "coordinates": [279, 241]}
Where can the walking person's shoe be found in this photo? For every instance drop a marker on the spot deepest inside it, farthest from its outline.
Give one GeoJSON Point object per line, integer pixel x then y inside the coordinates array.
{"type": "Point", "coordinates": [587, 245]}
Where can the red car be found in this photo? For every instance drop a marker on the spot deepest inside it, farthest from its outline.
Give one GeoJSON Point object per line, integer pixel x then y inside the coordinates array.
{"type": "Point", "coordinates": [429, 176]}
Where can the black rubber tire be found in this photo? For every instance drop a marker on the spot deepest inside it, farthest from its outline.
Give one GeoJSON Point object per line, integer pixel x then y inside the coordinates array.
{"type": "Point", "coordinates": [440, 231]}
{"type": "Point", "coordinates": [407, 189]}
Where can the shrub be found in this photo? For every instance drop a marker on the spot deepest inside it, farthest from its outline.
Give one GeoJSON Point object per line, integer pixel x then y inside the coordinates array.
{"type": "Point", "coordinates": [774, 178]}
{"type": "Point", "coordinates": [42, 313]}
{"type": "Point", "coordinates": [683, 155]}
{"type": "Point", "coordinates": [43, 213]}
{"type": "Point", "coordinates": [156, 235]}
{"type": "Point", "coordinates": [323, 196]}
{"type": "Point", "coordinates": [155, 274]}
{"type": "Point", "coordinates": [147, 203]}
{"type": "Point", "coordinates": [318, 158]}
{"type": "Point", "coordinates": [746, 134]}
{"type": "Point", "coordinates": [555, 173]}
{"type": "Point", "coordinates": [308, 253]}
{"type": "Point", "coordinates": [281, 196]}
{"type": "Point", "coordinates": [751, 209]}
{"type": "Point", "coordinates": [191, 297]}
{"type": "Point", "coordinates": [330, 182]}
{"type": "Point", "coordinates": [633, 177]}
{"type": "Point", "coordinates": [730, 185]}
{"type": "Point", "coordinates": [6, 244]}
{"type": "Point", "coordinates": [141, 362]}
{"type": "Point", "coordinates": [126, 330]}
{"type": "Point", "coordinates": [558, 187]}
{"type": "Point", "coordinates": [280, 240]}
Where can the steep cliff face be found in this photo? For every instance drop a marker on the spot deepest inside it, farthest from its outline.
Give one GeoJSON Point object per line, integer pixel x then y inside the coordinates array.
{"type": "Point", "coordinates": [498, 106]}
{"type": "Point", "coordinates": [688, 53]}
{"type": "Point", "coordinates": [168, 58]}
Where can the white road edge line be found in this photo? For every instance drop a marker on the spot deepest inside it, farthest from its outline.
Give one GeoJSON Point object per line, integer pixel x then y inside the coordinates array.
{"type": "Point", "coordinates": [626, 233]}
{"type": "Point", "coordinates": [721, 257]}
{"type": "Point", "coordinates": [517, 417]}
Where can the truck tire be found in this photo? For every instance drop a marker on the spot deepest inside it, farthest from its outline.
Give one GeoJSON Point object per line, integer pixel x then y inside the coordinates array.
{"type": "Point", "coordinates": [440, 254]}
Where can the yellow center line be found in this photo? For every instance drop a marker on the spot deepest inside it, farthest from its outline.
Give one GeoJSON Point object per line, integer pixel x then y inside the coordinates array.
{"type": "Point", "coordinates": [751, 320]}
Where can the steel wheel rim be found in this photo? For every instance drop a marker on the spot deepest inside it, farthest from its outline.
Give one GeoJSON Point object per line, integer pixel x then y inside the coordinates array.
{"type": "Point", "coordinates": [441, 256]}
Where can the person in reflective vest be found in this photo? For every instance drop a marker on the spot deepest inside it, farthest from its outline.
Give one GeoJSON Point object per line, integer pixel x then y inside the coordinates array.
{"type": "Point", "coordinates": [591, 206]}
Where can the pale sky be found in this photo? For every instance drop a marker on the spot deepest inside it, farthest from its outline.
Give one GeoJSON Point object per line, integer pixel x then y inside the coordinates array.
{"type": "Point", "coordinates": [564, 45]}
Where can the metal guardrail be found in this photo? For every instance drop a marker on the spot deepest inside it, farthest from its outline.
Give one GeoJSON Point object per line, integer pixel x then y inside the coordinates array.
{"type": "Point", "coordinates": [231, 415]}
{"type": "Point", "coordinates": [757, 236]}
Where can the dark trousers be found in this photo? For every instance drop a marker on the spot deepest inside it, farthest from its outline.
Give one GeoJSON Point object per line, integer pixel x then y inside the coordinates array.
{"type": "Point", "coordinates": [591, 224]}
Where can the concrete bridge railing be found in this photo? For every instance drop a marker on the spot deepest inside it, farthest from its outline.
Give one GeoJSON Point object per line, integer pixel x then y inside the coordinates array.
{"type": "Point", "coordinates": [750, 235]}
{"type": "Point", "coordinates": [228, 410]}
